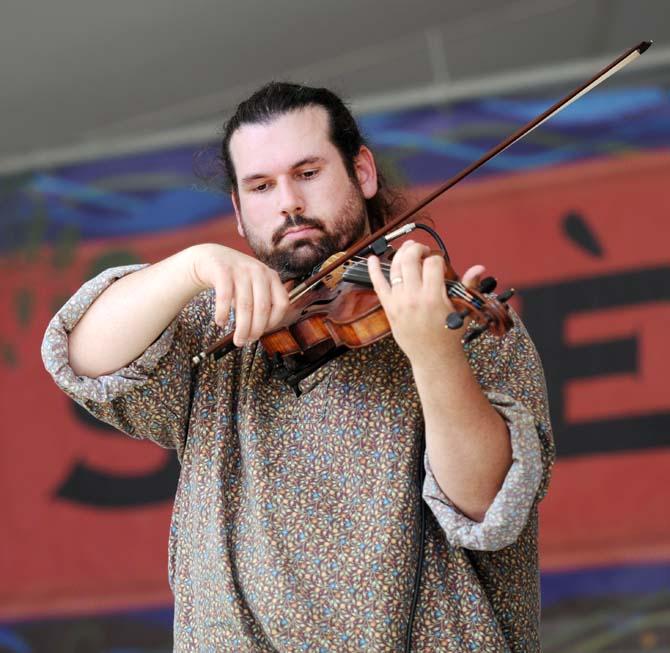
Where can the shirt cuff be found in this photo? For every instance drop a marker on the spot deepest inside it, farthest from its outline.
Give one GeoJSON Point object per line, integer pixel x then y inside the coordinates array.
{"type": "Point", "coordinates": [55, 346]}
{"type": "Point", "coordinates": [508, 514]}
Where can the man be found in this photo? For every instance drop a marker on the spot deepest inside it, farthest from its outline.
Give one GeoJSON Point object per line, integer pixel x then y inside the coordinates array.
{"type": "Point", "coordinates": [296, 520]}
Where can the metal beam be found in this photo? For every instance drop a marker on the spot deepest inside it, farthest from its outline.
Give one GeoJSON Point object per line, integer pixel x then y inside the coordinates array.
{"type": "Point", "coordinates": [435, 93]}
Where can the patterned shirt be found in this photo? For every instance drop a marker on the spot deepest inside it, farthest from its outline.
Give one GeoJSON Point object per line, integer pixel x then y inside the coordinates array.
{"type": "Point", "coordinates": [296, 519]}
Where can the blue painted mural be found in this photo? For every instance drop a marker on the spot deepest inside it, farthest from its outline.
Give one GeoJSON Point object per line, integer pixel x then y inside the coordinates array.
{"type": "Point", "coordinates": [161, 191]}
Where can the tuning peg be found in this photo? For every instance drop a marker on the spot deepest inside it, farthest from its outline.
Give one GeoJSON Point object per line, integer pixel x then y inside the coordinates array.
{"type": "Point", "coordinates": [455, 320]}
{"type": "Point", "coordinates": [488, 284]}
{"type": "Point", "coordinates": [474, 333]}
{"type": "Point", "coordinates": [503, 297]}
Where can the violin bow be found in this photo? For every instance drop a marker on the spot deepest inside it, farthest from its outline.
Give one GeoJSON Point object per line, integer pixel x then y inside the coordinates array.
{"type": "Point", "coordinates": [360, 246]}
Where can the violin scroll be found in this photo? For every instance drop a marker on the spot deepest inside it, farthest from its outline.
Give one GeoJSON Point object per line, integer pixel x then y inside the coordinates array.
{"type": "Point", "coordinates": [489, 313]}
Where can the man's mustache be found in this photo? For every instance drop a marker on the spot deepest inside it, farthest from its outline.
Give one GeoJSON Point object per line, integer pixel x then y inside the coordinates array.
{"type": "Point", "coordinates": [294, 221]}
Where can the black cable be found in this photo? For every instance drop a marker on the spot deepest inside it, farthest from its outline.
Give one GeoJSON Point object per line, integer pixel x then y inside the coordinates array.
{"type": "Point", "coordinates": [420, 556]}
{"type": "Point", "coordinates": [422, 474]}
{"type": "Point", "coordinates": [435, 235]}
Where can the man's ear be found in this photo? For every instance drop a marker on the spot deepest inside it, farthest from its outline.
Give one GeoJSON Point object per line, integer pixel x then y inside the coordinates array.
{"type": "Point", "coordinates": [366, 172]}
{"type": "Point", "coordinates": [238, 217]}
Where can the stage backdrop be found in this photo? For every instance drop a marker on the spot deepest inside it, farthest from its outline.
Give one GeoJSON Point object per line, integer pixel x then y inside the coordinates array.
{"type": "Point", "coordinates": [575, 218]}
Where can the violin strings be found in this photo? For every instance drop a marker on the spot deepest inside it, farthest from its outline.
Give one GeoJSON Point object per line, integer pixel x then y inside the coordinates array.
{"type": "Point", "coordinates": [357, 272]}
{"type": "Point", "coordinates": [361, 262]}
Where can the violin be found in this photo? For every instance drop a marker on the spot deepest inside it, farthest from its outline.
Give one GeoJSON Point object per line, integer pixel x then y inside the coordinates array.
{"type": "Point", "coordinates": [344, 313]}
{"type": "Point", "coordinates": [335, 309]}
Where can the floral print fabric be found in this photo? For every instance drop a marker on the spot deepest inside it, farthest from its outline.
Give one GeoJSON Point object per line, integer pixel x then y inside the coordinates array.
{"type": "Point", "coordinates": [296, 519]}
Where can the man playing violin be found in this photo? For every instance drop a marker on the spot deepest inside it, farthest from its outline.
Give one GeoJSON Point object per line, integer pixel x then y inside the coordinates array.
{"type": "Point", "coordinates": [297, 521]}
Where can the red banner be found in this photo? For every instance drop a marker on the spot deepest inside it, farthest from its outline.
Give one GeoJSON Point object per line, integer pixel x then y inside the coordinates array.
{"type": "Point", "coordinates": [86, 510]}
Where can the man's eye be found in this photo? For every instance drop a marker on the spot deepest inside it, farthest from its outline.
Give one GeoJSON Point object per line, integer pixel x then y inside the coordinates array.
{"type": "Point", "coordinates": [261, 188]}
{"type": "Point", "coordinates": [309, 174]}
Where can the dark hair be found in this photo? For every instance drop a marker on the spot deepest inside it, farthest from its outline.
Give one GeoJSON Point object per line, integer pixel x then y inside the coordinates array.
{"type": "Point", "coordinates": [278, 98]}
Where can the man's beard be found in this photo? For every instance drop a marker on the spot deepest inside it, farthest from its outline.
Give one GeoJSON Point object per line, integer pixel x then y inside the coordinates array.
{"type": "Point", "coordinates": [298, 257]}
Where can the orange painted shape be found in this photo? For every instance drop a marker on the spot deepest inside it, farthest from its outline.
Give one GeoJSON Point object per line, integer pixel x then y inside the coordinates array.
{"type": "Point", "coordinates": [607, 509]}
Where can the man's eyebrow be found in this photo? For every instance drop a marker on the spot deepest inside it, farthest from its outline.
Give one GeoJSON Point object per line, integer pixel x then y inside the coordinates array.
{"type": "Point", "coordinates": [309, 160]}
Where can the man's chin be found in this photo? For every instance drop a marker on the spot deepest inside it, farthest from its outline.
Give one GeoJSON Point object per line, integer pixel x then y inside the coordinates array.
{"type": "Point", "coordinates": [304, 256]}
{"type": "Point", "coordinates": [297, 261]}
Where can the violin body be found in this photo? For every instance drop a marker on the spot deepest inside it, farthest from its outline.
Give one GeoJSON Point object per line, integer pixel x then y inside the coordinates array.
{"type": "Point", "coordinates": [344, 312]}
{"type": "Point", "coordinates": [348, 315]}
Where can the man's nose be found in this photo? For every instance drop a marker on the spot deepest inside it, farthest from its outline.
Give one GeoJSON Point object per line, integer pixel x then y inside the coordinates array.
{"type": "Point", "coordinates": [291, 200]}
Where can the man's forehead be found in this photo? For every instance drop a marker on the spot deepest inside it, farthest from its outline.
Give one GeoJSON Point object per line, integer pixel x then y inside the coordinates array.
{"type": "Point", "coordinates": [288, 137]}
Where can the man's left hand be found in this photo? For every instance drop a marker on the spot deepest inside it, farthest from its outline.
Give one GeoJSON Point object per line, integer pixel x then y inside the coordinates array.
{"type": "Point", "coordinates": [415, 300]}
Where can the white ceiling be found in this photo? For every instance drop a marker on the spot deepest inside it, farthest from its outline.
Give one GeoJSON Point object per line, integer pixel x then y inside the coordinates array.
{"type": "Point", "coordinates": [80, 74]}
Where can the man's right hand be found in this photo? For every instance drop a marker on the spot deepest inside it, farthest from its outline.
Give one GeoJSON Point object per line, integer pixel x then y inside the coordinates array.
{"type": "Point", "coordinates": [134, 310]}
{"type": "Point", "coordinates": [243, 282]}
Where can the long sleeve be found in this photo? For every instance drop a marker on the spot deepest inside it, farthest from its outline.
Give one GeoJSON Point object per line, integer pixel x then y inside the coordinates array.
{"type": "Point", "coordinates": [148, 398]}
{"type": "Point", "coordinates": [510, 374]}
